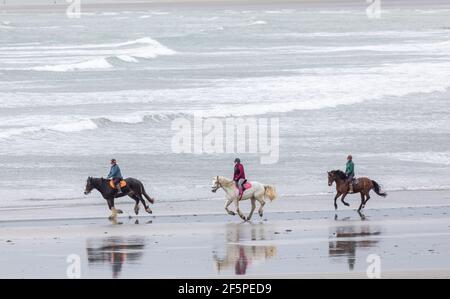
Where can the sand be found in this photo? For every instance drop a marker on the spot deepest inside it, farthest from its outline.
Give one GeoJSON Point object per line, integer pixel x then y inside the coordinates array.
{"type": "Point", "coordinates": [411, 242]}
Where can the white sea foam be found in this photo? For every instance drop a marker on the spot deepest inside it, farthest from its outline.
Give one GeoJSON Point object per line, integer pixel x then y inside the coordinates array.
{"type": "Point", "coordinates": [259, 22]}
{"type": "Point", "coordinates": [94, 64]}
{"type": "Point", "coordinates": [438, 158]}
{"type": "Point", "coordinates": [80, 57]}
{"type": "Point", "coordinates": [317, 90]}
{"type": "Point", "coordinates": [78, 126]}
{"type": "Point", "coordinates": [127, 58]}
{"type": "Point", "coordinates": [245, 97]}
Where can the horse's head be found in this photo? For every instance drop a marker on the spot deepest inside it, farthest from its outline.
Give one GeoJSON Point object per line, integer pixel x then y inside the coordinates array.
{"type": "Point", "coordinates": [89, 186]}
{"type": "Point", "coordinates": [331, 177]}
{"type": "Point", "coordinates": [215, 184]}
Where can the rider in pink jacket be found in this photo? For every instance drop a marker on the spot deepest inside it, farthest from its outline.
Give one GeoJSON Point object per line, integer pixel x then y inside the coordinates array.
{"type": "Point", "coordinates": [239, 176]}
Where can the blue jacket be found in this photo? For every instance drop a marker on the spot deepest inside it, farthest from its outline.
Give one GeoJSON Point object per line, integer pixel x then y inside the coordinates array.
{"type": "Point", "coordinates": [115, 173]}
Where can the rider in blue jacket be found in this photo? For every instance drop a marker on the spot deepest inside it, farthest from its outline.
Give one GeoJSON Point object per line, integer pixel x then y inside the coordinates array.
{"type": "Point", "coordinates": [115, 175]}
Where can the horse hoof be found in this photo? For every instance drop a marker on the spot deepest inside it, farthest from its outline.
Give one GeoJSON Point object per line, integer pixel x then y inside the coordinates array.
{"type": "Point", "coordinates": [149, 211]}
{"type": "Point", "coordinates": [232, 213]}
{"type": "Point", "coordinates": [136, 211]}
{"type": "Point", "coordinates": [152, 200]}
{"type": "Point", "coordinates": [119, 212]}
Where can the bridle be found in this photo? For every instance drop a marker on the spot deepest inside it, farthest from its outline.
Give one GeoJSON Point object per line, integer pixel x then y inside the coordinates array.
{"type": "Point", "coordinates": [333, 176]}
{"type": "Point", "coordinates": [217, 185]}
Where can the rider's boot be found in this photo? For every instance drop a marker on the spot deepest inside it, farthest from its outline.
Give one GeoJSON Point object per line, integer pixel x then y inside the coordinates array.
{"type": "Point", "coordinates": [350, 187]}
{"type": "Point", "coordinates": [241, 192]}
{"type": "Point", "coordinates": [119, 190]}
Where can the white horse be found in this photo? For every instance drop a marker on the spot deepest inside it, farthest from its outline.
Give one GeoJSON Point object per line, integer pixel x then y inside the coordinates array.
{"type": "Point", "coordinates": [257, 192]}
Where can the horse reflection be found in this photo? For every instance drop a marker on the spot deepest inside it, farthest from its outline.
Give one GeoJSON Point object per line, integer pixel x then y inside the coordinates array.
{"type": "Point", "coordinates": [347, 239]}
{"type": "Point", "coordinates": [241, 257]}
{"type": "Point", "coordinates": [115, 251]}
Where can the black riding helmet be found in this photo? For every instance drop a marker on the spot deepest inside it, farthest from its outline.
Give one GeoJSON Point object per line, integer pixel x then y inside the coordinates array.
{"type": "Point", "coordinates": [237, 160]}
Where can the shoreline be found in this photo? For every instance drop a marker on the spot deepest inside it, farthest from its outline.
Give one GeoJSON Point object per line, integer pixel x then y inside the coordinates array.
{"type": "Point", "coordinates": [94, 207]}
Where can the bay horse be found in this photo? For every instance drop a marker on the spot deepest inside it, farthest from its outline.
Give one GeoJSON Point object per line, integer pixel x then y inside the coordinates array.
{"type": "Point", "coordinates": [134, 189]}
{"type": "Point", "coordinates": [363, 186]}
{"type": "Point", "coordinates": [257, 192]}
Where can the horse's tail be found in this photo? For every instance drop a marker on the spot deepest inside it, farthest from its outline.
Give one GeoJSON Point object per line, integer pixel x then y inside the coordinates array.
{"type": "Point", "coordinates": [270, 192]}
{"type": "Point", "coordinates": [377, 189]}
{"type": "Point", "coordinates": [151, 200]}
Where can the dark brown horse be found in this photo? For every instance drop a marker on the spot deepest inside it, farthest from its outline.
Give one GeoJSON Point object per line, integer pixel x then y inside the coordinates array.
{"type": "Point", "coordinates": [363, 186]}
{"type": "Point", "coordinates": [134, 189]}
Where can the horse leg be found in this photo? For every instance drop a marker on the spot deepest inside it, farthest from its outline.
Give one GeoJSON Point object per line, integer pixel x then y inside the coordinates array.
{"type": "Point", "coordinates": [367, 198]}
{"type": "Point", "coordinates": [361, 206]}
{"type": "Point", "coordinates": [147, 208]}
{"type": "Point", "coordinates": [253, 200]}
{"type": "Point", "coordinates": [114, 211]}
{"type": "Point", "coordinates": [343, 201]}
{"type": "Point", "coordinates": [227, 204]}
{"type": "Point", "coordinates": [136, 206]}
{"type": "Point", "coordinates": [262, 203]}
{"type": "Point", "coordinates": [335, 198]}
{"type": "Point", "coordinates": [236, 202]}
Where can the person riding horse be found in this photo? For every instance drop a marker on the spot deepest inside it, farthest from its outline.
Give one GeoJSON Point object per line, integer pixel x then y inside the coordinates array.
{"type": "Point", "coordinates": [239, 176]}
{"type": "Point", "coordinates": [115, 175]}
{"type": "Point", "coordinates": [350, 172]}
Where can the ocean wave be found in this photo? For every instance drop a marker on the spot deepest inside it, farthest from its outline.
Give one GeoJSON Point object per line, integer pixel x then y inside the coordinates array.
{"type": "Point", "coordinates": [383, 34]}
{"type": "Point", "coordinates": [94, 64]}
{"type": "Point", "coordinates": [64, 127]}
{"type": "Point", "coordinates": [438, 158]}
{"type": "Point", "coordinates": [428, 157]}
{"type": "Point", "coordinates": [281, 11]}
{"type": "Point", "coordinates": [239, 97]}
{"type": "Point", "coordinates": [81, 57]}
{"type": "Point", "coordinates": [259, 22]}
{"type": "Point", "coordinates": [6, 25]}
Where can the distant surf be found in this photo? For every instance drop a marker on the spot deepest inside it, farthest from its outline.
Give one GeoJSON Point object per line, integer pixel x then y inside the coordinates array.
{"type": "Point", "coordinates": [83, 57]}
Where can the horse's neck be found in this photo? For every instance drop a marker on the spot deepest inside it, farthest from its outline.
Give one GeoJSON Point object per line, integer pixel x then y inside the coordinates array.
{"type": "Point", "coordinates": [228, 186]}
{"type": "Point", "coordinates": [339, 181]}
{"type": "Point", "coordinates": [98, 184]}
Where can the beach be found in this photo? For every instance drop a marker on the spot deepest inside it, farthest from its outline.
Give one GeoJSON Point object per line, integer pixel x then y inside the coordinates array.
{"type": "Point", "coordinates": [331, 78]}
{"type": "Point", "coordinates": [411, 242]}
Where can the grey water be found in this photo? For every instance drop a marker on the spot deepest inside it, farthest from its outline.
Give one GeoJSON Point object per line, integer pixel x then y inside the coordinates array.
{"type": "Point", "coordinates": [75, 93]}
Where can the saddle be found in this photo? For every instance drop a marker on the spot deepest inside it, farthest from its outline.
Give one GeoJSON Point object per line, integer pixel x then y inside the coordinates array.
{"type": "Point", "coordinates": [123, 184]}
{"type": "Point", "coordinates": [354, 183]}
{"type": "Point", "coordinates": [246, 185]}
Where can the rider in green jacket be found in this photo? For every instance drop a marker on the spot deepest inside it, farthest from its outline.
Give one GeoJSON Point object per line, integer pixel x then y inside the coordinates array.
{"type": "Point", "coordinates": [350, 172]}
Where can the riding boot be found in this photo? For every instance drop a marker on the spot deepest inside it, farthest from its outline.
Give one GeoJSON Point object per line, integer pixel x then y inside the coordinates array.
{"type": "Point", "coordinates": [119, 190]}
{"type": "Point", "coordinates": [351, 187]}
{"type": "Point", "coordinates": [241, 192]}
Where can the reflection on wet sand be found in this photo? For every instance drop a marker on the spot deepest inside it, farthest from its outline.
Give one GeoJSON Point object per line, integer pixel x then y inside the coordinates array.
{"type": "Point", "coordinates": [346, 239]}
{"type": "Point", "coordinates": [241, 257]}
{"type": "Point", "coordinates": [115, 251]}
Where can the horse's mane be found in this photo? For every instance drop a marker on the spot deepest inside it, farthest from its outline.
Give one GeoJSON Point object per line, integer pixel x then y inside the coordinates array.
{"type": "Point", "coordinates": [340, 174]}
{"type": "Point", "coordinates": [224, 180]}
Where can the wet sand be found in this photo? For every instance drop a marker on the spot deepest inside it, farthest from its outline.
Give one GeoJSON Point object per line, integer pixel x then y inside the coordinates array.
{"type": "Point", "coordinates": [412, 242]}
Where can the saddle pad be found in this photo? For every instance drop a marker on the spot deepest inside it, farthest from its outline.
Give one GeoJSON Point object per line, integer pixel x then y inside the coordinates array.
{"type": "Point", "coordinates": [247, 185]}
{"type": "Point", "coordinates": [122, 184]}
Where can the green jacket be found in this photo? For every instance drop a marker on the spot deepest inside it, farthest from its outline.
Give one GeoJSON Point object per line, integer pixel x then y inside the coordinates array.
{"type": "Point", "coordinates": [350, 168]}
